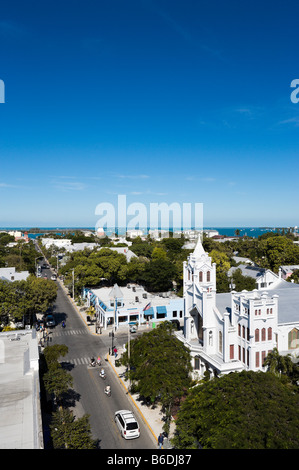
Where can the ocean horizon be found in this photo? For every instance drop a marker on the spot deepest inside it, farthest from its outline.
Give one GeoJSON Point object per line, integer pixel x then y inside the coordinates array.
{"type": "Point", "coordinates": [253, 232]}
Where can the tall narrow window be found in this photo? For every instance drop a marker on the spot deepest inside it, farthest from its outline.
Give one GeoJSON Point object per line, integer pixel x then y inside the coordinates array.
{"type": "Point", "coordinates": [220, 342]}
{"type": "Point", "coordinates": [263, 357]}
{"type": "Point", "coordinates": [263, 334]}
{"type": "Point", "coordinates": [208, 276]}
{"type": "Point", "coordinates": [200, 276]}
{"type": "Point", "coordinates": [270, 334]}
{"type": "Point", "coordinates": [231, 351]}
{"type": "Point", "coordinates": [257, 359]}
{"type": "Point", "coordinates": [257, 335]}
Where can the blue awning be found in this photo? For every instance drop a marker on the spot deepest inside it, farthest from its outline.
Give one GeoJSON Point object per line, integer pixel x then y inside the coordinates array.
{"type": "Point", "coordinates": [149, 311]}
{"type": "Point", "coordinates": [161, 309]}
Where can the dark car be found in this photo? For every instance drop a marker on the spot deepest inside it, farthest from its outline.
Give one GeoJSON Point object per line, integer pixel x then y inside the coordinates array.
{"type": "Point", "coordinates": [50, 321]}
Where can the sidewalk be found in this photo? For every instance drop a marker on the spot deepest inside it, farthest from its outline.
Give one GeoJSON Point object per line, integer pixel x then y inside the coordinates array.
{"type": "Point", "coordinates": [151, 416]}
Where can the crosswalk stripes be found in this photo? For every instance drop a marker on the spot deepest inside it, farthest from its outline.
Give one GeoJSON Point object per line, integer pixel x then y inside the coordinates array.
{"type": "Point", "coordinates": [78, 361]}
{"type": "Point", "coordinates": [81, 331]}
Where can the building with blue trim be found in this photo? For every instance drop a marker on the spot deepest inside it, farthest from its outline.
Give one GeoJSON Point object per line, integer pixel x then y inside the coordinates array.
{"type": "Point", "coordinates": [117, 306]}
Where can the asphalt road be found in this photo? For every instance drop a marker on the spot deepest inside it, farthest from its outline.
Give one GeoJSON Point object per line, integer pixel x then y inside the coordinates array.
{"type": "Point", "coordinates": [89, 397]}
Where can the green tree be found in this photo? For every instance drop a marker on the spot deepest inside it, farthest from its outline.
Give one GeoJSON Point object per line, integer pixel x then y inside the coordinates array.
{"type": "Point", "coordinates": [242, 282]}
{"type": "Point", "coordinates": [67, 432]}
{"type": "Point", "coordinates": [246, 410]}
{"type": "Point", "coordinates": [279, 364]}
{"type": "Point", "coordinates": [160, 367]}
{"type": "Point", "coordinates": [56, 380]}
{"type": "Point", "coordinates": [158, 275]}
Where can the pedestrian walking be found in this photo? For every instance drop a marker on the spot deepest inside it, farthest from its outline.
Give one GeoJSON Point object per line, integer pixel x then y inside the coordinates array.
{"type": "Point", "coordinates": [160, 440]}
{"type": "Point", "coordinates": [115, 352]}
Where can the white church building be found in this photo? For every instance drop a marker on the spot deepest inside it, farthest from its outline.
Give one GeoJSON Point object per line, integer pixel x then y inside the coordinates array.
{"type": "Point", "coordinates": [235, 331]}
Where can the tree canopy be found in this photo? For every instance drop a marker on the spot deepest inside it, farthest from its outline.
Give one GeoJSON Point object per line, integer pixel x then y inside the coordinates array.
{"type": "Point", "coordinates": [246, 410]}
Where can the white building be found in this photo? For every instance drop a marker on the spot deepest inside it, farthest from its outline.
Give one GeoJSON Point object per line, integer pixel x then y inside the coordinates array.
{"type": "Point", "coordinates": [235, 331]}
{"type": "Point", "coordinates": [10, 274]}
{"type": "Point", "coordinates": [20, 410]}
{"type": "Point", "coordinates": [56, 242]}
{"type": "Point", "coordinates": [264, 278]}
{"type": "Point", "coordinates": [119, 306]}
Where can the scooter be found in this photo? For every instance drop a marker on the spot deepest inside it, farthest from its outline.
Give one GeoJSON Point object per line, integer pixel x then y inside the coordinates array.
{"type": "Point", "coordinates": [92, 363]}
{"type": "Point", "coordinates": [107, 390]}
{"type": "Point", "coordinates": [102, 374]}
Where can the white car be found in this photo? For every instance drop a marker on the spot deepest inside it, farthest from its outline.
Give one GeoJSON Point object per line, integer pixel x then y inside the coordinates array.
{"type": "Point", "coordinates": [53, 277]}
{"type": "Point", "coordinates": [127, 424]}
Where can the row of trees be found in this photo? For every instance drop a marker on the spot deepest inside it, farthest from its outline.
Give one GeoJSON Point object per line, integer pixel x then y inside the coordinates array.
{"type": "Point", "coordinates": [21, 255]}
{"type": "Point", "coordinates": [21, 300]}
{"type": "Point", "coordinates": [159, 264]}
{"type": "Point", "coordinates": [67, 431]}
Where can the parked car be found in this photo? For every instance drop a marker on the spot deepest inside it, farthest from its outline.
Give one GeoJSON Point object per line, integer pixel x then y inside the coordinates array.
{"type": "Point", "coordinates": [127, 424]}
{"type": "Point", "coordinates": [53, 277]}
{"type": "Point", "coordinates": [133, 328]}
{"type": "Point", "coordinates": [50, 321]}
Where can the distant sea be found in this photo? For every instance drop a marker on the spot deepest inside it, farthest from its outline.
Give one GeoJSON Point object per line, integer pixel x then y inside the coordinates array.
{"type": "Point", "coordinates": [253, 232]}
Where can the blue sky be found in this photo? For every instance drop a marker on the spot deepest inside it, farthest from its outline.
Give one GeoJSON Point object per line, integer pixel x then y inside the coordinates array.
{"type": "Point", "coordinates": [160, 100]}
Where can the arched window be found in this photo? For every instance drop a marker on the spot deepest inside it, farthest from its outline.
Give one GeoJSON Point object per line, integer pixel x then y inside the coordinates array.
{"type": "Point", "coordinates": [208, 276]}
{"type": "Point", "coordinates": [270, 334]}
{"type": "Point", "coordinates": [200, 276]}
{"type": "Point", "coordinates": [293, 339]}
{"type": "Point", "coordinates": [257, 335]}
{"type": "Point", "coordinates": [263, 334]}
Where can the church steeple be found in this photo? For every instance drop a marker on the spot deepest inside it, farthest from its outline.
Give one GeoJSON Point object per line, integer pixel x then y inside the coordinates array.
{"type": "Point", "coordinates": [199, 251]}
{"type": "Point", "coordinates": [200, 270]}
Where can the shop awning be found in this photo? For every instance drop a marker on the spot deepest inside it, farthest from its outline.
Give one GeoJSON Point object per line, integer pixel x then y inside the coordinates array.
{"type": "Point", "coordinates": [162, 309]}
{"type": "Point", "coordinates": [149, 311]}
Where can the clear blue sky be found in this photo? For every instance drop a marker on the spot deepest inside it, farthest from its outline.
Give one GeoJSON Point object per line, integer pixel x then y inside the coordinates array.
{"type": "Point", "coordinates": [160, 100]}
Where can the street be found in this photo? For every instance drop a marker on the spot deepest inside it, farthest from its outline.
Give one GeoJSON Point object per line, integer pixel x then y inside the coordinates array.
{"type": "Point", "coordinates": [89, 396]}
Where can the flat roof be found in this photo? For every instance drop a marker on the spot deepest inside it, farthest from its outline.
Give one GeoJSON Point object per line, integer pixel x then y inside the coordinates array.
{"type": "Point", "coordinates": [129, 296]}
{"type": "Point", "coordinates": [20, 413]}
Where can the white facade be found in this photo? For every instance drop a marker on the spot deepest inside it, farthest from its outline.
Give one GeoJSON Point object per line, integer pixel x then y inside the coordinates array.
{"type": "Point", "coordinates": [10, 274]}
{"type": "Point", "coordinates": [234, 331]}
{"type": "Point", "coordinates": [116, 307]}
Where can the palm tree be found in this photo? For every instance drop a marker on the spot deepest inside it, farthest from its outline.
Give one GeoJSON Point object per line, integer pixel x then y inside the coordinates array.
{"type": "Point", "coordinates": [278, 364]}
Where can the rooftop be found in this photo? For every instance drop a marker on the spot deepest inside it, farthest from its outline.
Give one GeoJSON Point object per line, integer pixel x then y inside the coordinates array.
{"type": "Point", "coordinates": [288, 301]}
{"type": "Point", "coordinates": [20, 424]}
{"type": "Point", "coordinates": [129, 294]}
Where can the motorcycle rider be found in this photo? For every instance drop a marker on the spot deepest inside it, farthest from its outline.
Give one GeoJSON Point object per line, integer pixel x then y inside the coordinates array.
{"type": "Point", "coordinates": [108, 389]}
{"type": "Point", "coordinates": [92, 361]}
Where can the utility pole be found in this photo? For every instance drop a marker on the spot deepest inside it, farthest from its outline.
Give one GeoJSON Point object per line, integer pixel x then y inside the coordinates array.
{"type": "Point", "coordinates": [73, 284]}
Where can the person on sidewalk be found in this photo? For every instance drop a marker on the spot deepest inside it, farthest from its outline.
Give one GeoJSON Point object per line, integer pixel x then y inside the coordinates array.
{"type": "Point", "coordinates": [160, 440]}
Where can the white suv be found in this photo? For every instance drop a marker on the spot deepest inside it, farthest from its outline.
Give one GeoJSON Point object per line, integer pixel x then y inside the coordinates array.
{"type": "Point", "coordinates": [127, 424]}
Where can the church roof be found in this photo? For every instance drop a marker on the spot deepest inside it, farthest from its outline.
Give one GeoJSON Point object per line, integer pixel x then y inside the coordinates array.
{"type": "Point", "coordinates": [199, 251]}
{"type": "Point", "coordinates": [288, 302]}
